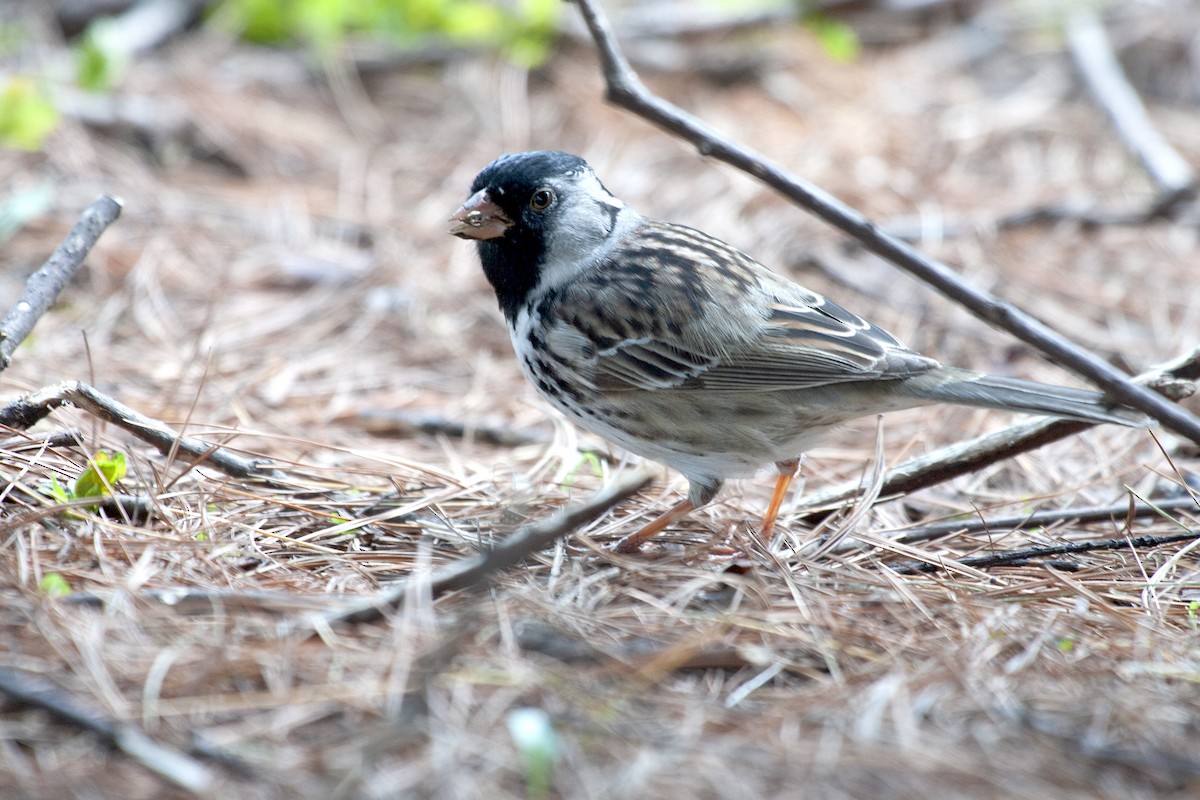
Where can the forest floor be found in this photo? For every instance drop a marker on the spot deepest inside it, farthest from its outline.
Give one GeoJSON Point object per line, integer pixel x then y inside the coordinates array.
{"type": "Point", "coordinates": [280, 283]}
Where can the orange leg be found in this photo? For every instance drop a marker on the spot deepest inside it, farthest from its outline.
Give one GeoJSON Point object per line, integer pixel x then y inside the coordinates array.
{"type": "Point", "coordinates": [632, 542]}
{"type": "Point", "coordinates": [787, 471]}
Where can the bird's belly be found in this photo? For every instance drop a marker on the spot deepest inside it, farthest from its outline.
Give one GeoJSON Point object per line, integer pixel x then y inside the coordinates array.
{"type": "Point", "coordinates": [713, 434]}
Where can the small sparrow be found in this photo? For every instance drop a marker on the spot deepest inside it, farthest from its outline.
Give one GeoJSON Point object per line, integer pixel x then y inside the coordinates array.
{"type": "Point", "coordinates": [684, 350]}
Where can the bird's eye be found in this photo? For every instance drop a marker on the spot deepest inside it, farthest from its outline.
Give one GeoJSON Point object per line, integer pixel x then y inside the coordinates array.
{"type": "Point", "coordinates": [541, 199]}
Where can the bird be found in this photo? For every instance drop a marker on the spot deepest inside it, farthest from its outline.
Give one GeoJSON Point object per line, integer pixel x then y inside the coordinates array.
{"type": "Point", "coordinates": [684, 350]}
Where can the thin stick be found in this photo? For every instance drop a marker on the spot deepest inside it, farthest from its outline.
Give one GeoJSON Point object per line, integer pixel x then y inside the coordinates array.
{"type": "Point", "coordinates": [1012, 557]}
{"type": "Point", "coordinates": [624, 89]}
{"type": "Point", "coordinates": [478, 569]}
{"type": "Point", "coordinates": [401, 422]}
{"type": "Point", "coordinates": [25, 411]}
{"type": "Point", "coordinates": [174, 766]}
{"type": "Point", "coordinates": [1114, 511]}
{"type": "Point", "coordinates": [45, 285]}
{"type": "Point", "coordinates": [1104, 76]}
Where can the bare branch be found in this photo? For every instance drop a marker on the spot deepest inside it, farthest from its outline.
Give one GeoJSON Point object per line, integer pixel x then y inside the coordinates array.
{"type": "Point", "coordinates": [1114, 511]}
{"type": "Point", "coordinates": [176, 767]}
{"type": "Point", "coordinates": [1017, 557]}
{"type": "Point", "coordinates": [479, 569]}
{"type": "Point", "coordinates": [404, 422]}
{"type": "Point", "coordinates": [624, 89]}
{"type": "Point", "coordinates": [1105, 78]}
{"type": "Point", "coordinates": [26, 411]}
{"type": "Point", "coordinates": [45, 285]}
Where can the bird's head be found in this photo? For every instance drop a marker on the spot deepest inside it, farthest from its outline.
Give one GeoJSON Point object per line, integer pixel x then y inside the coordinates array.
{"type": "Point", "coordinates": [537, 217]}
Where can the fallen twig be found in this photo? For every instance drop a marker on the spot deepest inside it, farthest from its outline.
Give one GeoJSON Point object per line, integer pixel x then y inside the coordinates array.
{"type": "Point", "coordinates": [26, 411]}
{"type": "Point", "coordinates": [130, 509]}
{"type": "Point", "coordinates": [1114, 511]}
{"type": "Point", "coordinates": [398, 422]}
{"type": "Point", "coordinates": [1168, 170]}
{"type": "Point", "coordinates": [193, 601]}
{"type": "Point", "coordinates": [1105, 78]}
{"type": "Point", "coordinates": [477, 570]}
{"type": "Point", "coordinates": [1015, 557]}
{"type": "Point", "coordinates": [45, 285]}
{"type": "Point", "coordinates": [178, 768]}
{"type": "Point", "coordinates": [624, 89]}
{"type": "Point", "coordinates": [71, 438]}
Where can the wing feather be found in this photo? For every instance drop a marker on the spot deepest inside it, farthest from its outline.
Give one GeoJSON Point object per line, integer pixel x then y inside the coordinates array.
{"type": "Point", "coordinates": [740, 328]}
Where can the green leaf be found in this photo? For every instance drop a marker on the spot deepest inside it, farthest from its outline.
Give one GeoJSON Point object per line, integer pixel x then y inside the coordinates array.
{"type": "Point", "coordinates": [103, 471]}
{"type": "Point", "coordinates": [98, 60]}
{"type": "Point", "coordinates": [27, 115]}
{"type": "Point", "coordinates": [54, 585]}
{"type": "Point", "coordinates": [59, 492]}
{"type": "Point", "coordinates": [261, 21]}
{"type": "Point", "coordinates": [838, 39]}
{"type": "Point", "coordinates": [323, 22]}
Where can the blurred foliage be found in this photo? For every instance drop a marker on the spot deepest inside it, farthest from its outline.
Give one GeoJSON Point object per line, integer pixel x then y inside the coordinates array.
{"type": "Point", "coordinates": [100, 59]}
{"type": "Point", "coordinates": [54, 584]}
{"type": "Point", "coordinates": [533, 733]}
{"type": "Point", "coordinates": [839, 39]}
{"type": "Point", "coordinates": [27, 113]}
{"type": "Point", "coordinates": [523, 30]}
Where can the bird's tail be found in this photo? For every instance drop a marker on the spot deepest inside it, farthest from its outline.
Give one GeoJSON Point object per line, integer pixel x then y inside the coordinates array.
{"type": "Point", "coordinates": [963, 387]}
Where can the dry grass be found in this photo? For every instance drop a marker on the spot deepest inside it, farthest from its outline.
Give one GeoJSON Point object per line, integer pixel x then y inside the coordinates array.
{"type": "Point", "coordinates": [269, 299]}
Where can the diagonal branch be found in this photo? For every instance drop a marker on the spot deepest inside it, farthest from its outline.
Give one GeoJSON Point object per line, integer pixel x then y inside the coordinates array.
{"type": "Point", "coordinates": [1095, 59]}
{"type": "Point", "coordinates": [45, 285]}
{"type": "Point", "coordinates": [25, 411]}
{"type": "Point", "coordinates": [624, 89]}
{"type": "Point", "coordinates": [180, 769]}
{"type": "Point", "coordinates": [479, 569]}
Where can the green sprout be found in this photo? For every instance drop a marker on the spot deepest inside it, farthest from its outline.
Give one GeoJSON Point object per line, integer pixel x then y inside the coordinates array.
{"type": "Point", "coordinates": [588, 458]}
{"type": "Point", "coordinates": [53, 584]}
{"type": "Point", "coordinates": [27, 114]}
{"type": "Point", "coordinates": [103, 471]}
{"type": "Point", "coordinates": [533, 733]}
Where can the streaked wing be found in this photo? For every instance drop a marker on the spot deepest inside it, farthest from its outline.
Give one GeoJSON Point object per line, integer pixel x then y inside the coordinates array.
{"type": "Point", "coordinates": [697, 314]}
{"type": "Point", "coordinates": [651, 365]}
{"type": "Point", "coordinates": [804, 346]}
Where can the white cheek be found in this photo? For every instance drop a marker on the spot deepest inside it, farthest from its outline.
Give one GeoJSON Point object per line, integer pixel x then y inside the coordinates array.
{"type": "Point", "coordinates": [587, 224]}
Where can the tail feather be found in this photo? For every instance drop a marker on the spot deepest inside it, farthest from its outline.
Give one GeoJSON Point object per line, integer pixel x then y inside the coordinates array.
{"type": "Point", "coordinates": [962, 387]}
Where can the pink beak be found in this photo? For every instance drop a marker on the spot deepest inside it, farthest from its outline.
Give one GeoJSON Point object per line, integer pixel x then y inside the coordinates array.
{"type": "Point", "coordinates": [479, 218]}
